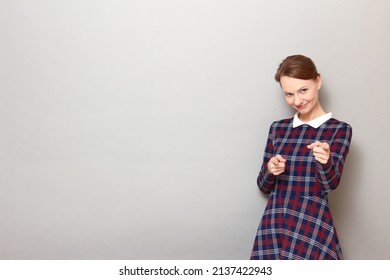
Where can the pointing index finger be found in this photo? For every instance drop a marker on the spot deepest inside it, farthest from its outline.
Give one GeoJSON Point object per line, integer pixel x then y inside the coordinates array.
{"type": "Point", "coordinates": [280, 158]}
{"type": "Point", "coordinates": [315, 144]}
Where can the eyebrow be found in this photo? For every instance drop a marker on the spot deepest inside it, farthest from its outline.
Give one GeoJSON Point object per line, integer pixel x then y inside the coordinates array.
{"type": "Point", "coordinates": [297, 90]}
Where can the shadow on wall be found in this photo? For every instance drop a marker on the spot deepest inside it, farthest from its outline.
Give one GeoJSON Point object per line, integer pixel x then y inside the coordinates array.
{"type": "Point", "coordinates": [344, 200]}
{"type": "Point", "coordinates": [325, 98]}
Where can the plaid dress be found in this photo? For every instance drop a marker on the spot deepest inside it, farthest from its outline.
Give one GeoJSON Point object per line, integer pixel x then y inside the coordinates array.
{"type": "Point", "coordinates": [297, 223]}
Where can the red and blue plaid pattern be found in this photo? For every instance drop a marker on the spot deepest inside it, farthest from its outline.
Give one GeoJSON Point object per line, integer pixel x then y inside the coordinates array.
{"type": "Point", "coordinates": [297, 223]}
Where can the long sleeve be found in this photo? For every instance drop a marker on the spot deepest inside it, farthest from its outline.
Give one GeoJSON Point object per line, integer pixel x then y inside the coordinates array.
{"type": "Point", "coordinates": [265, 180]}
{"type": "Point", "coordinates": [329, 174]}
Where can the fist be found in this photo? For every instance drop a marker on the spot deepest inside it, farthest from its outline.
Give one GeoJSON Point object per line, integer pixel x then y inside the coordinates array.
{"type": "Point", "coordinates": [321, 151]}
{"type": "Point", "coordinates": [276, 165]}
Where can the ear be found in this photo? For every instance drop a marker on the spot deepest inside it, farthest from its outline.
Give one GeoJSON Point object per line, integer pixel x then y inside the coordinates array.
{"type": "Point", "coordinates": [319, 82]}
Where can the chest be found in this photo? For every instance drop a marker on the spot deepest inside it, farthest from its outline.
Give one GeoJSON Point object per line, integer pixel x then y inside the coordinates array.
{"type": "Point", "coordinates": [293, 142]}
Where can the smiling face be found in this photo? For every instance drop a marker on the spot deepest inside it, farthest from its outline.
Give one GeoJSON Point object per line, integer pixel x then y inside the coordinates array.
{"type": "Point", "coordinates": [302, 95]}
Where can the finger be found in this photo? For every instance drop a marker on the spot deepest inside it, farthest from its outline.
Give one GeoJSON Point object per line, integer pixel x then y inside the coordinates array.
{"type": "Point", "coordinates": [319, 160]}
{"type": "Point", "coordinates": [280, 158]}
{"type": "Point", "coordinates": [278, 173]}
{"type": "Point", "coordinates": [322, 160]}
{"type": "Point", "coordinates": [315, 144]}
{"type": "Point", "coordinates": [278, 168]}
{"type": "Point", "coordinates": [318, 150]}
{"type": "Point", "coordinates": [274, 161]}
{"type": "Point", "coordinates": [321, 156]}
{"type": "Point", "coordinates": [325, 146]}
{"type": "Point", "coordinates": [275, 170]}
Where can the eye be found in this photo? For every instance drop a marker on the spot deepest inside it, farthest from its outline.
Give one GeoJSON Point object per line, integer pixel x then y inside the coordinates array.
{"type": "Point", "coordinates": [288, 94]}
{"type": "Point", "coordinates": [304, 90]}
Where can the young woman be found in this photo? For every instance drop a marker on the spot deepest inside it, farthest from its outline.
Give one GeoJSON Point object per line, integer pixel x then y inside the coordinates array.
{"type": "Point", "coordinates": [303, 161]}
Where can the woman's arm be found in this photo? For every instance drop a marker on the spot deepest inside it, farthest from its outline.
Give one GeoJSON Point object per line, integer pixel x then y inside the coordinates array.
{"type": "Point", "coordinates": [266, 180]}
{"type": "Point", "coordinates": [329, 173]}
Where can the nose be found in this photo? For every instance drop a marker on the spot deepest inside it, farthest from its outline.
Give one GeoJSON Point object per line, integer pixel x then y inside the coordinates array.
{"type": "Point", "coordinates": [297, 100]}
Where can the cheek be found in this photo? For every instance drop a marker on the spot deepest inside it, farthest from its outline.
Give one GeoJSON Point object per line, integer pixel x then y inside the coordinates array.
{"type": "Point", "coordinates": [312, 97]}
{"type": "Point", "coordinates": [289, 101]}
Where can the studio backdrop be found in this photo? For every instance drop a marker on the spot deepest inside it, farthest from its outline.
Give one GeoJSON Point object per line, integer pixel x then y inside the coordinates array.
{"type": "Point", "coordinates": [136, 129]}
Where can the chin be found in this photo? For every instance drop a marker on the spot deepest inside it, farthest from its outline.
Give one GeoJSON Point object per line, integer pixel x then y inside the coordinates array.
{"type": "Point", "coordinates": [305, 110]}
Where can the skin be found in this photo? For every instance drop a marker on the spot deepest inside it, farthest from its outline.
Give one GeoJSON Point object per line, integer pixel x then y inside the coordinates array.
{"type": "Point", "coordinates": [302, 95]}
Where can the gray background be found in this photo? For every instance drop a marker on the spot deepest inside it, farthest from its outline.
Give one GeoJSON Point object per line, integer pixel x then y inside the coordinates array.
{"type": "Point", "coordinates": [135, 129]}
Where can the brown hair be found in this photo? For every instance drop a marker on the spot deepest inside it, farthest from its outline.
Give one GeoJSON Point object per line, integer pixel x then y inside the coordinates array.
{"type": "Point", "coordinates": [297, 66]}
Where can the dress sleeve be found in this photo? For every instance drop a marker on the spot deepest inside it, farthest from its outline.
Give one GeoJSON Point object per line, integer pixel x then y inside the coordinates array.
{"type": "Point", "coordinates": [329, 174]}
{"type": "Point", "coordinates": [265, 180]}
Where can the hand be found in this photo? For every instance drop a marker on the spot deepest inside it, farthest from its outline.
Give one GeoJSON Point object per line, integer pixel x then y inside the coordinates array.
{"type": "Point", "coordinates": [276, 165]}
{"type": "Point", "coordinates": [321, 151]}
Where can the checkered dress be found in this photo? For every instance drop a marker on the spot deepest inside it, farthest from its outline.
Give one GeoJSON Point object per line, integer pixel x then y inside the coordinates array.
{"type": "Point", "coordinates": [297, 223]}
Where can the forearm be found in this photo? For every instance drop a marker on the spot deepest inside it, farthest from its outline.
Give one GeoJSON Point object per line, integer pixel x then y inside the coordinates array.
{"type": "Point", "coordinates": [266, 181]}
{"type": "Point", "coordinates": [328, 175]}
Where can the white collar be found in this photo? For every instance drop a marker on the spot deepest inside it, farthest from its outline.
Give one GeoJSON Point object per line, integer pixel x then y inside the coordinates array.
{"type": "Point", "coordinates": [313, 123]}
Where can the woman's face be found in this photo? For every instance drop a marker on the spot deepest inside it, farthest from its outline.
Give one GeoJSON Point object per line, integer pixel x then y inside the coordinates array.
{"type": "Point", "coordinates": [302, 95]}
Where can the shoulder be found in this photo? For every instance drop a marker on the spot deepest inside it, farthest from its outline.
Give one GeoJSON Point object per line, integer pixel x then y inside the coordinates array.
{"type": "Point", "coordinates": [337, 124]}
{"type": "Point", "coordinates": [282, 123]}
{"type": "Point", "coordinates": [280, 126]}
{"type": "Point", "coordinates": [339, 128]}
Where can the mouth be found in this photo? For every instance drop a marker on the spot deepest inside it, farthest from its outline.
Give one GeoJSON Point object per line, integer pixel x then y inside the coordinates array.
{"type": "Point", "coordinates": [301, 107]}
